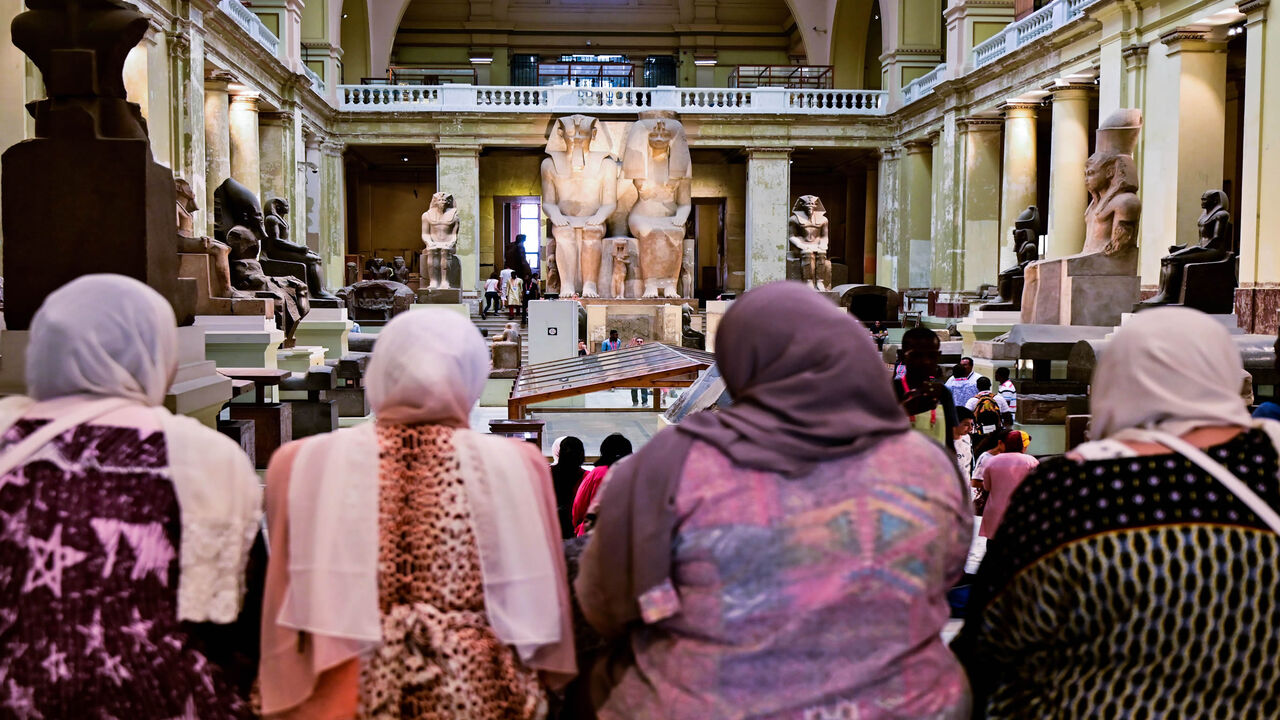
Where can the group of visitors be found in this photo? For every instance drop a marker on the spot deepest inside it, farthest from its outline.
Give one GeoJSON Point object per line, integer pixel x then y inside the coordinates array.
{"type": "Point", "coordinates": [507, 290]}
{"type": "Point", "coordinates": [786, 556]}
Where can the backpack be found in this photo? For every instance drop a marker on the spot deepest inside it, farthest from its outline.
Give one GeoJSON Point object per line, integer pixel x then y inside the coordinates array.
{"type": "Point", "coordinates": [986, 414]}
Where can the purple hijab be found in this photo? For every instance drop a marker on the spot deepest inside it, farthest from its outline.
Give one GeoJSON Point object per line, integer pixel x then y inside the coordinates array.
{"type": "Point", "coordinates": [808, 386]}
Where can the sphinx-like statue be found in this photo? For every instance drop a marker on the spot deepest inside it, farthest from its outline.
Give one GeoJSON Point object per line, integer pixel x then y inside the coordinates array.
{"type": "Point", "coordinates": [657, 161]}
{"type": "Point", "coordinates": [1096, 286]}
{"type": "Point", "coordinates": [239, 225]}
{"type": "Point", "coordinates": [1214, 245]}
{"type": "Point", "coordinates": [277, 246]}
{"type": "Point", "coordinates": [579, 193]}
{"type": "Point", "coordinates": [807, 230]}
{"type": "Point", "coordinates": [439, 241]}
{"type": "Point", "coordinates": [1026, 246]}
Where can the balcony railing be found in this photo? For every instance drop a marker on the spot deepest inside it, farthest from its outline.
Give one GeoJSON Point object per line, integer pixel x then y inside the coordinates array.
{"type": "Point", "coordinates": [739, 101]}
{"type": "Point", "coordinates": [252, 24]}
{"type": "Point", "coordinates": [314, 77]}
{"type": "Point", "coordinates": [923, 85]}
{"type": "Point", "coordinates": [1023, 32]}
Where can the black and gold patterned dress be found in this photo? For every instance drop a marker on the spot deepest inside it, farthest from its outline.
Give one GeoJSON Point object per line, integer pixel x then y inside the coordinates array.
{"type": "Point", "coordinates": [1135, 587]}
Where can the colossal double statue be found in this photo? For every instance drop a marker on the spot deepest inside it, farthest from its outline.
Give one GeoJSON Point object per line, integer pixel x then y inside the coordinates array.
{"type": "Point", "coordinates": [1097, 285]}
{"type": "Point", "coordinates": [807, 231]}
{"type": "Point", "coordinates": [658, 162]}
{"type": "Point", "coordinates": [439, 240]}
{"type": "Point", "coordinates": [579, 193]}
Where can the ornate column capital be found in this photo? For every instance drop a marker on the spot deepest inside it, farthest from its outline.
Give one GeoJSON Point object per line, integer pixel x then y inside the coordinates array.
{"type": "Point", "coordinates": [979, 123]}
{"type": "Point", "coordinates": [1019, 109]}
{"type": "Point", "coordinates": [245, 100]}
{"type": "Point", "coordinates": [918, 146]}
{"type": "Point", "coordinates": [1182, 40]}
{"type": "Point", "coordinates": [218, 80]}
{"type": "Point", "coordinates": [1255, 9]}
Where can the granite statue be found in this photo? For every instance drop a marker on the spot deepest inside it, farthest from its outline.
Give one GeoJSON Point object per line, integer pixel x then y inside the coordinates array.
{"type": "Point", "coordinates": [376, 301]}
{"type": "Point", "coordinates": [1096, 286]}
{"type": "Point", "coordinates": [505, 350]}
{"type": "Point", "coordinates": [189, 242]}
{"type": "Point", "coordinates": [439, 242]}
{"type": "Point", "coordinates": [280, 248]}
{"type": "Point", "coordinates": [239, 225]}
{"type": "Point", "coordinates": [552, 269]}
{"type": "Point", "coordinates": [400, 269]}
{"type": "Point", "coordinates": [513, 256]}
{"type": "Point", "coordinates": [621, 256]}
{"type": "Point", "coordinates": [658, 163]}
{"type": "Point", "coordinates": [689, 337]}
{"type": "Point", "coordinates": [1026, 247]}
{"type": "Point", "coordinates": [807, 231]}
{"type": "Point", "coordinates": [351, 274]}
{"type": "Point", "coordinates": [378, 269]}
{"type": "Point", "coordinates": [579, 192]}
{"type": "Point", "coordinates": [1214, 246]}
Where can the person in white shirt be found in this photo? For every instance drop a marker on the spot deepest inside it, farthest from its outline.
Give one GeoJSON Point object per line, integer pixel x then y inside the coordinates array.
{"type": "Point", "coordinates": [492, 300]}
{"type": "Point", "coordinates": [990, 411]}
{"type": "Point", "coordinates": [962, 442]}
{"type": "Point", "coordinates": [507, 274]}
{"type": "Point", "coordinates": [1006, 388]}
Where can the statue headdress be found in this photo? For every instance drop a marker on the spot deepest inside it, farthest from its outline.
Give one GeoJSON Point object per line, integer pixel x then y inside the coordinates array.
{"type": "Point", "coordinates": [817, 201]}
{"type": "Point", "coordinates": [635, 160]}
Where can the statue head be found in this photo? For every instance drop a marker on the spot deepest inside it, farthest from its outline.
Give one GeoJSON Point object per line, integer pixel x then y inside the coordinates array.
{"type": "Point", "coordinates": [578, 133]}
{"type": "Point", "coordinates": [809, 204]}
{"type": "Point", "coordinates": [442, 201]}
{"type": "Point", "coordinates": [1213, 200]}
{"type": "Point", "coordinates": [186, 196]}
{"type": "Point", "coordinates": [397, 262]}
{"type": "Point", "coordinates": [1029, 219]}
{"type": "Point", "coordinates": [657, 134]}
{"type": "Point", "coordinates": [234, 204]}
{"type": "Point", "coordinates": [1108, 174]}
{"type": "Point", "coordinates": [278, 206]}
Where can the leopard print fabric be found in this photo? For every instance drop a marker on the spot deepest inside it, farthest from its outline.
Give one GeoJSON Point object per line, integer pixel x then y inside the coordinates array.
{"type": "Point", "coordinates": [440, 659]}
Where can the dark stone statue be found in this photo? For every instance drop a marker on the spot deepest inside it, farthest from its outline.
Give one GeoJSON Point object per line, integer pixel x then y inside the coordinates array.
{"type": "Point", "coordinates": [400, 269]}
{"type": "Point", "coordinates": [239, 224]}
{"type": "Point", "coordinates": [513, 257]}
{"type": "Point", "coordinates": [377, 269]}
{"type": "Point", "coordinates": [1026, 244]}
{"type": "Point", "coordinates": [376, 301]}
{"type": "Point", "coordinates": [1209, 255]}
{"type": "Point", "coordinates": [279, 247]}
{"type": "Point", "coordinates": [352, 275]}
{"type": "Point", "coordinates": [689, 337]}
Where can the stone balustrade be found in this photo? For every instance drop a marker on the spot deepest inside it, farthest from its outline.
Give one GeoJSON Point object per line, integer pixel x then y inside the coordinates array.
{"type": "Point", "coordinates": [251, 24]}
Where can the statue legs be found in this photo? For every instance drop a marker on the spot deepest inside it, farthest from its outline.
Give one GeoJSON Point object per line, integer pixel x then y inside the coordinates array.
{"type": "Point", "coordinates": [824, 271]}
{"type": "Point", "coordinates": [437, 268]}
{"type": "Point", "coordinates": [567, 242]}
{"type": "Point", "coordinates": [591, 255]}
{"type": "Point", "coordinates": [661, 256]}
{"type": "Point", "coordinates": [1171, 273]}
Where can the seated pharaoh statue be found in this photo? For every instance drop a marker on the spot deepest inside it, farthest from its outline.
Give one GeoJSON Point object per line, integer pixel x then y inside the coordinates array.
{"type": "Point", "coordinates": [579, 193]}
{"type": "Point", "coordinates": [239, 225]}
{"type": "Point", "coordinates": [277, 246]}
{"type": "Point", "coordinates": [658, 162]}
{"type": "Point", "coordinates": [807, 230]}
{"type": "Point", "coordinates": [440, 243]}
{"type": "Point", "coordinates": [1026, 246]}
{"type": "Point", "coordinates": [1096, 286]}
{"type": "Point", "coordinates": [1214, 247]}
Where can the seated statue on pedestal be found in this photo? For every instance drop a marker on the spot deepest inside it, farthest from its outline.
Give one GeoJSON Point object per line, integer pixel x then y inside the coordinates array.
{"type": "Point", "coordinates": [377, 269]}
{"type": "Point", "coordinates": [440, 242]}
{"type": "Point", "coordinates": [1099, 284]}
{"type": "Point", "coordinates": [552, 269]}
{"type": "Point", "coordinates": [807, 230]}
{"type": "Point", "coordinates": [190, 242]}
{"type": "Point", "coordinates": [400, 269]}
{"type": "Point", "coordinates": [239, 225]}
{"type": "Point", "coordinates": [1026, 245]}
{"type": "Point", "coordinates": [658, 162]}
{"type": "Point", "coordinates": [279, 247]}
{"type": "Point", "coordinates": [1214, 246]}
{"type": "Point", "coordinates": [579, 193]}
{"type": "Point", "coordinates": [689, 337]}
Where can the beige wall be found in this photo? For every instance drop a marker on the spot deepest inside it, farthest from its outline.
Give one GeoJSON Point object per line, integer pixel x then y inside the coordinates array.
{"type": "Point", "coordinates": [389, 217]}
{"type": "Point", "coordinates": [501, 175]}
{"type": "Point", "coordinates": [714, 176]}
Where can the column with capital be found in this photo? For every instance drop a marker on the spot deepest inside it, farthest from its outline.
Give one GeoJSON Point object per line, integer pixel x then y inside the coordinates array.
{"type": "Point", "coordinates": [1018, 175]}
{"type": "Point", "coordinates": [186, 120]}
{"type": "Point", "coordinates": [1069, 149]}
{"type": "Point", "coordinates": [245, 146]}
{"type": "Point", "coordinates": [947, 274]}
{"type": "Point", "coordinates": [277, 167]}
{"type": "Point", "coordinates": [217, 138]}
{"type": "Point", "coordinates": [332, 239]}
{"type": "Point", "coordinates": [980, 199]}
{"type": "Point", "coordinates": [458, 173]}
{"type": "Point", "coordinates": [309, 192]}
{"type": "Point", "coordinates": [1258, 218]}
{"type": "Point", "coordinates": [915, 251]}
{"type": "Point", "coordinates": [768, 207]}
{"type": "Point", "coordinates": [889, 231]}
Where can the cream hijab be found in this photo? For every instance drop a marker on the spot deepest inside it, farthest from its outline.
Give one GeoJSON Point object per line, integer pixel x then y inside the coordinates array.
{"type": "Point", "coordinates": [111, 343]}
{"type": "Point", "coordinates": [1172, 370]}
{"type": "Point", "coordinates": [428, 366]}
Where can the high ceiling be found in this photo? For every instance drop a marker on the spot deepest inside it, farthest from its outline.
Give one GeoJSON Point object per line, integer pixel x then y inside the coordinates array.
{"type": "Point", "coordinates": [599, 15]}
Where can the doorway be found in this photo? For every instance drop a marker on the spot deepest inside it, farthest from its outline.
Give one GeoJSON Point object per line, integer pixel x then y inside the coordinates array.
{"type": "Point", "coordinates": [706, 225]}
{"type": "Point", "coordinates": [517, 215]}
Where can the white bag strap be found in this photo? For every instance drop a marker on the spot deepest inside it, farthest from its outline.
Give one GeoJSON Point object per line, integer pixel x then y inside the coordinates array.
{"type": "Point", "coordinates": [1232, 483]}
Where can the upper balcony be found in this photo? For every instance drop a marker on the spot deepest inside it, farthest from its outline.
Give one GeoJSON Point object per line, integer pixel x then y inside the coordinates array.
{"type": "Point", "coordinates": [609, 100]}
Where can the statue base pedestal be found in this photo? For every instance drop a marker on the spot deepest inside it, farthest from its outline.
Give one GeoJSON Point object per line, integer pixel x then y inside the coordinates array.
{"type": "Point", "coordinates": [1229, 321]}
{"type": "Point", "coordinates": [299, 359]}
{"type": "Point", "coordinates": [983, 326]}
{"type": "Point", "coordinates": [715, 313]}
{"type": "Point", "coordinates": [326, 327]}
{"type": "Point", "coordinates": [650, 320]}
{"type": "Point", "coordinates": [1090, 289]}
{"type": "Point", "coordinates": [459, 308]}
{"type": "Point", "coordinates": [439, 296]}
{"type": "Point", "coordinates": [1098, 300]}
{"type": "Point", "coordinates": [240, 341]}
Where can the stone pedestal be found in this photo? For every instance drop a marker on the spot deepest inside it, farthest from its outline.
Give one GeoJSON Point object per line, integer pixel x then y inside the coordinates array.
{"type": "Point", "coordinates": [439, 296]}
{"type": "Point", "coordinates": [459, 308]}
{"type": "Point", "coordinates": [272, 427]}
{"type": "Point", "coordinates": [715, 312]}
{"type": "Point", "coordinates": [13, 367]}
{"type": "Point", "coordinates": [983, 326]}
{"type": "Point", "coordinates": [1098, 300]}
{"type": "Point", "coordinates": [299, 359]}
{"type": "Point", "coordinates": [326, 327]}
{"type": "Point", "coordinates": [238, 341]}
{"type": "Point", "coordinates": [1086, 290]}
{"type": "Point", "coordinates": [197, 390]}
{"type": "Point", "coordinates": [660, 322]}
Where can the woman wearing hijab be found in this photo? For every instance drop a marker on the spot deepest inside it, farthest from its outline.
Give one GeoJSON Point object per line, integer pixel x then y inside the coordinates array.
{"type": "Point", "coordinates": [122, 524]}
{"type": "Point", "coordinates": [415, 570]}
{"type": "Point", "coordinates": [612, 449]}
{"type": "Point", "coordinates": [787, 556]}
{"type": "Point", "coordinates": [1135, 577]}
{"type": "Point", "coordinates": [566, 476]}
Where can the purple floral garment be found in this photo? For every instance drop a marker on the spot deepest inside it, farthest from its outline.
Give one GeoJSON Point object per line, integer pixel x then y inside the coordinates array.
{"type": "Point", "coordinates": [810, 598]}
{"type": "Point", "coordinates": [89, 538]}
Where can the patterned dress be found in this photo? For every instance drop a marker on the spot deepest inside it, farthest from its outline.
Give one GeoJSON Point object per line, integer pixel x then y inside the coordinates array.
{"type": "Point", "coordinates": [809, 598]}
{"type": "Point", "coordinates": [440, 659]}
{"type": "Point", "coordinates": [88, 585]}
{"type": "Point", "coordinates": [1131, 588]}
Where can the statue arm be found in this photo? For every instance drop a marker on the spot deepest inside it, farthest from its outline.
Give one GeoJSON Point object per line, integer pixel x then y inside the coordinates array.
{"type": "Point", "coordinates": [453, 235]}
{"type": "Point", "coordinates": [426, 232]}
{"type": "Point", "coordinates": [684, 202]}
{"type": "Point", "coordinates": [550, 204]}
{"type": "Point", "coordinates": [1124, 225]}
{"type": "Point", "coordinates": [608, 192]}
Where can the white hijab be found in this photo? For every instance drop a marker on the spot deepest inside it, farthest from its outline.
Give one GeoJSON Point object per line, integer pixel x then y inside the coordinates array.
{"type": "Point", "coordinates": [1172, 370]}
{"type": "Point", "coordinates": [429, 366]}
{"type": "Point", "coordinates": [111, 341]}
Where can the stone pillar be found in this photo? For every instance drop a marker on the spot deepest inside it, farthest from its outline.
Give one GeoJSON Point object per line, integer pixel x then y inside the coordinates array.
{"type": "Point", "coordinates": [980, 200]}
{"type": "Point", "coordinates": [1120, 28]}
{"type": "Point", "coordinates": [333, 205]}
{"type": "Point", "coordinates": [1259, 214]}
{"type": "Point", "coordinates": [1186, 138]}
{"type": "Point", "coordinates": [888, 196]}
{"type": "Point", "coordinates": [1069, 149]}
{"type": "Point", "coordinates": [245, 150]}
{"type": "Point", "coordinates": [187, 135]}
{"type": "Point", "coordinates": [277, 167]}
{"type": "Point", "coordinates": [217, 138]}
{"type": "Point", "coordinates": [458, 172]}
{"type": "Point", "coordinates": [915, 262]}
{"type": "Point", "coordinates": [768, 207]}
{"type": "Point", "coordinates": [870, 225]}
{"type": "Point", "coordinates": [947, 263]}
{"type": "Point", "coordinates": [1018, 175]}
{"type": "Point", "coordinates": [309, 210]}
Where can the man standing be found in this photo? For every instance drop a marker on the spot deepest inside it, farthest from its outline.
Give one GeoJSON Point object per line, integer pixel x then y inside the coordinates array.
{"type": "Point", "coordinates": [927, 402]}
{"type": "Point", "coordinates": [1006, 388]}
{"type": "Point", "coordinates": [639, 396]}
{"type": "Point", "coordinates": [962, 384]}
{"type": "Point", "coordinates": [990, 411]}
{"type": "Point", "coordinates": [612, 343]}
